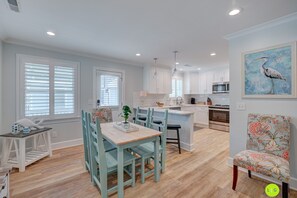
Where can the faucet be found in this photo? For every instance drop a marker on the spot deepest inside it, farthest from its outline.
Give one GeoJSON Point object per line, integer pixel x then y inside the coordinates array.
{"type": "Point", "coordinates": [179, 100]}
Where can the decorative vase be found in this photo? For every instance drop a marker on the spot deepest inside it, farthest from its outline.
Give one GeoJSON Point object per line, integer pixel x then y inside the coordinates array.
{"type": "Point", "coordinates": [126, 125]}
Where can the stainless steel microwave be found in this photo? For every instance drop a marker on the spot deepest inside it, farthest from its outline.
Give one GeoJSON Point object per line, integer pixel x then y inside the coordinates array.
{"type": "Point", "coordinates": [222, 87]}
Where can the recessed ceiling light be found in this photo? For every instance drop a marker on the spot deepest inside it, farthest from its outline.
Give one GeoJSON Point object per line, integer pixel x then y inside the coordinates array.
{"type": "Point", "coordinates": [234, 11]}
{"type": "Point", "coordinates": [138, 54]}
{"type": "Point", "coordinates": [198, 69]}
{"type": "Point", "coordinates": [50, 33]}
{"type": "Point", "coordinates": [213, 54]}
{"type": "Point", "coordinates": [177, 63]}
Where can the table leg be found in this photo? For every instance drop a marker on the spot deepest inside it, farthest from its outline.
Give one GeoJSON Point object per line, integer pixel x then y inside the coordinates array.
{"type": "Point", "coordinates": [49, 142]}
{"type": "Point", "coordinates": [120, 172]}
{"type": "Point", "coordinates": [156, 161]}
{"type": "Point", "coordinates": [35, 143]}
{"type": "Point", "coordinates": [22, 156]}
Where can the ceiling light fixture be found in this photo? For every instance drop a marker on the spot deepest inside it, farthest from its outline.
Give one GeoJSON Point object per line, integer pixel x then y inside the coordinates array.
{"type": "Point", "coordinates": [198, 69]}
{"type": "Point", "coordinates": [174, 70]}
{"type": "Point", "coordinates": [234, 11]}
{"type": "Point", "coordinates": [213, 54]}
{"type": "Point", "coordinates": [177, 63]}
{"type": "Point", "coordinates": [50, 33]}
{"type": "Point", "coordinates": [138, 54]}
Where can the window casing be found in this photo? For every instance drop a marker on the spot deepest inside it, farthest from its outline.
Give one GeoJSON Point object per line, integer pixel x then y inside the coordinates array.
{"type": "Point", "coordinates": [177, 87]}
{"type": "Point", "coordinates": [47, 88]}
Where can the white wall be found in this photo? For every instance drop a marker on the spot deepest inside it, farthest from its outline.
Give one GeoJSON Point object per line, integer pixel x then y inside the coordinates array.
{"type": "Point", "coordinates": [265, 37]}
{"type": "Point", "coordinates": [72, 130]}
{"type": "Point", "coordinates": [1, 58]}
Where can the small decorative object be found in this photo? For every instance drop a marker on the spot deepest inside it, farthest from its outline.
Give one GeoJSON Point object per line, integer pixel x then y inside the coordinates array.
{"type": "Point", "coordinates": [15, 128]}
{"type": "Point", "coordinates": [126, 112]}
{"type": "Point", "coordinates": [160, 104]}
{"type": "Point", "coordinates": [26, 130]}
{"type": "Point", "coordinates": [270, 72]}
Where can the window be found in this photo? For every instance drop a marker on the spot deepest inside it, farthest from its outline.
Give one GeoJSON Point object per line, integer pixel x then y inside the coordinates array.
{"type": "Point", "coordinates": [177, 87]}
{"type": "Point", "coordinates": [47, 88]}
{"type": "Point", "coordinates": [109, 88]}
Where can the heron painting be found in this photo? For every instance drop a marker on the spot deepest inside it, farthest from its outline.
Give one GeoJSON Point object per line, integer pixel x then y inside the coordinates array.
{"type": "Point", "coordinates": [270, 73]}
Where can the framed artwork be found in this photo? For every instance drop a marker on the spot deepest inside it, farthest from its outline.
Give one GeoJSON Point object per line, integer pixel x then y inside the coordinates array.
{"type": "Point", "coordinates": [270, 72]}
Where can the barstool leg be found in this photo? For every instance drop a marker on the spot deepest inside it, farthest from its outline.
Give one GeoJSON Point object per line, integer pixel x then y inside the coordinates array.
{"type": "Point", "coordinates": [177, 130]}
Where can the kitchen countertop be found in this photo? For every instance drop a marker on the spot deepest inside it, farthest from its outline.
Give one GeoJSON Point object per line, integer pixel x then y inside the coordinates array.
{"type": "Point", "coordinates": [170, 111]}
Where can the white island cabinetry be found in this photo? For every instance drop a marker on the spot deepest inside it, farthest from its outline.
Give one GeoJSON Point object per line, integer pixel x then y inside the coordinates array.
{"type": "Point", "coordinates": [201, 115]}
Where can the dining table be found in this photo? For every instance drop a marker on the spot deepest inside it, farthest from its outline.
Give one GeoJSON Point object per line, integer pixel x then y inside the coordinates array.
{"type": "Point", "coordinates": [124, 140]}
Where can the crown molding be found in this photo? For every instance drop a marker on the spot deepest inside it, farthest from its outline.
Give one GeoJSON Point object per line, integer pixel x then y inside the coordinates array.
{"type": "Point", "coordinates": [70, 52]}
{"type": "Point", "coordinates": [272, 23]}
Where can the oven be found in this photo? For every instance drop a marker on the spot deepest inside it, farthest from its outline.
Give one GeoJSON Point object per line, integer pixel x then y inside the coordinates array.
{"type": "Point", "coordinates": [219, 117]}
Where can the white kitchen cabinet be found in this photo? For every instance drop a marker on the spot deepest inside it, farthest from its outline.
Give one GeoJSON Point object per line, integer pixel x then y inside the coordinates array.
{"type": "Point", "coordinates": [191, 82]}
{"type": "Point", "coordinates": [221, 75]}
{"type": "Point", "coordinates": [157, 80]}
{"type": "Point", "coordinates": [201, 115]}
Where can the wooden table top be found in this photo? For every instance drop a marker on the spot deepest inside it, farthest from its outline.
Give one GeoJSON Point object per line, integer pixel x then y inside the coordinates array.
{"type": "Point", "coordinates": [23, 135]}
{"type": "Point", "coordinates": [120, 138]}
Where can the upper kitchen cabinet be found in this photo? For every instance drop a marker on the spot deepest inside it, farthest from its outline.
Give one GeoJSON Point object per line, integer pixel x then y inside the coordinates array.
{"type": "Point", "coordinates": [191, 85]}
{"type": "Point", "coordinates": [221, 75]}
{"type": "Point", "coordinates": [157, 80]}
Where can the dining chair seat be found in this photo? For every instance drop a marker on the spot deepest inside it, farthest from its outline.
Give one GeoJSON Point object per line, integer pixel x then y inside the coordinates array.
{"type": "Point", "coordinates": [108, 146]}
{"type": "Point", "coordinates": [112, 161]}
{"type": "Point", "coordinates": [146, 149]}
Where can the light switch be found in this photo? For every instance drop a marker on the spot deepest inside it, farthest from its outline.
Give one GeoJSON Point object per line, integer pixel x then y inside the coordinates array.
{"type": "Point", "coordinates": [240, 106]}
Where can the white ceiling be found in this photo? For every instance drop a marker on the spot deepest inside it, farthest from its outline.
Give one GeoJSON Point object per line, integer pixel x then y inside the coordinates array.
{"type": "Point", "coordinates": [154, 28]}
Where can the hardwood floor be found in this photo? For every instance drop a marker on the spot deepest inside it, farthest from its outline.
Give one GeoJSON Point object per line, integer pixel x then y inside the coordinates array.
{"type": "Point", "coordinates": [201, 173]}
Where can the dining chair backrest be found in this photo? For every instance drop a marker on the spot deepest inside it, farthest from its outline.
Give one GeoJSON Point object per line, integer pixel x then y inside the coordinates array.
{"type": "Point", "coordinates": [103, 113]}
{"type": "Point", "coordinates": [97, 150]}
{"type": "Point", "coordinates": [160, 124]}
{"type": "Point", "coordinates": [86, 138]}
{"type": "Point", "coordinates": [269, 134]}
{"type": "Point", "coordinates": [140, 115]}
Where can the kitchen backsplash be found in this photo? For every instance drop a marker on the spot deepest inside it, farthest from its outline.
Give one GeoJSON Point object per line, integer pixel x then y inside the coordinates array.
{"type": "Point", "coordinates": [149, 100]}
{"type": "Point", "coordinates": [215, 98]}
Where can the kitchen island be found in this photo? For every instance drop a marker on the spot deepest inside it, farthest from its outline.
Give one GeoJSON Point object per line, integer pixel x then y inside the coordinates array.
{"type": "Point", "coordinates": [184, 118]}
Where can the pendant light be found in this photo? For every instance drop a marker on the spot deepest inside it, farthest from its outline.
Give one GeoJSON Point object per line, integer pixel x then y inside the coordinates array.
{"type": "Point", "coordinates": [155, 72]}
{"type": "Point", "coordinates": [175, 69]}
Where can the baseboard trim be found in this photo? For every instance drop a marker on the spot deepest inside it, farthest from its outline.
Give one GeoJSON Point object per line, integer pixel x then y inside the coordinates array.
{"type": "Point", "coordinates": [187, 147]}
{"type": "Point", "coordinates": [292, 183]}
{"type": "Point", "coordinates": [66, 144]}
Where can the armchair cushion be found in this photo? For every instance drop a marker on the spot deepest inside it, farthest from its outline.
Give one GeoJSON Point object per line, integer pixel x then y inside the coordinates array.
{"type": "Point", "coordinates": [263, 163]}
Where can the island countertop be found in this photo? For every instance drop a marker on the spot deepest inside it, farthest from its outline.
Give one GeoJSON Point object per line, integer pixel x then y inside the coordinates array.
{"type": "Point", "coordinates": [170, 111]}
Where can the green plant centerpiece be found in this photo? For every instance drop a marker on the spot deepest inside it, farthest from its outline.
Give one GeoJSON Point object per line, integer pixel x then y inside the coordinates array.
{"type": "Point", "coordinates": [126, 112]}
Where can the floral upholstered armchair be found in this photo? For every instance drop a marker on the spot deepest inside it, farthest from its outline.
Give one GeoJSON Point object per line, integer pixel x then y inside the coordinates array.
{"type": "Point", "coordinates": [267, 149]}
{"type": "Point", "coordinates": [103, 113]}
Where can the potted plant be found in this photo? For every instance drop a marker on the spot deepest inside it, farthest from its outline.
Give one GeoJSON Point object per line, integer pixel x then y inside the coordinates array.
{"type": "Point", "coordinates": [126, 112]}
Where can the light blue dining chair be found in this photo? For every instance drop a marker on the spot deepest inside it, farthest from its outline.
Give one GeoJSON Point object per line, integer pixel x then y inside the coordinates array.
{"type": "Point", "coordinates": [86, 140]}
{"type": "Point", "coordinates": [146, 150]}
{"type": "Point", "coordinates": [142, 118]}
{"type": "Point", "coordinates": [104, 163]}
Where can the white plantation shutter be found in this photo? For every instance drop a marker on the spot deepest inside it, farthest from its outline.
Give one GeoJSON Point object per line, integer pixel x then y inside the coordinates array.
{"type": "Point", "coordinates": [177, 88]}
{"type": "Point", "coordinates": [64, 86]}
{"type": "Point", "coordinates": [109, 90]}
{"type": "Point", "coordinates": [36, 89]}
{"type": "Point", "coordinates": [47, 88]}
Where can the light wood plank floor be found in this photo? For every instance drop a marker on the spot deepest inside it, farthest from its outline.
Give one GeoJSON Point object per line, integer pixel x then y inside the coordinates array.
{"type": "Point", "coordinates": [201, 173]}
